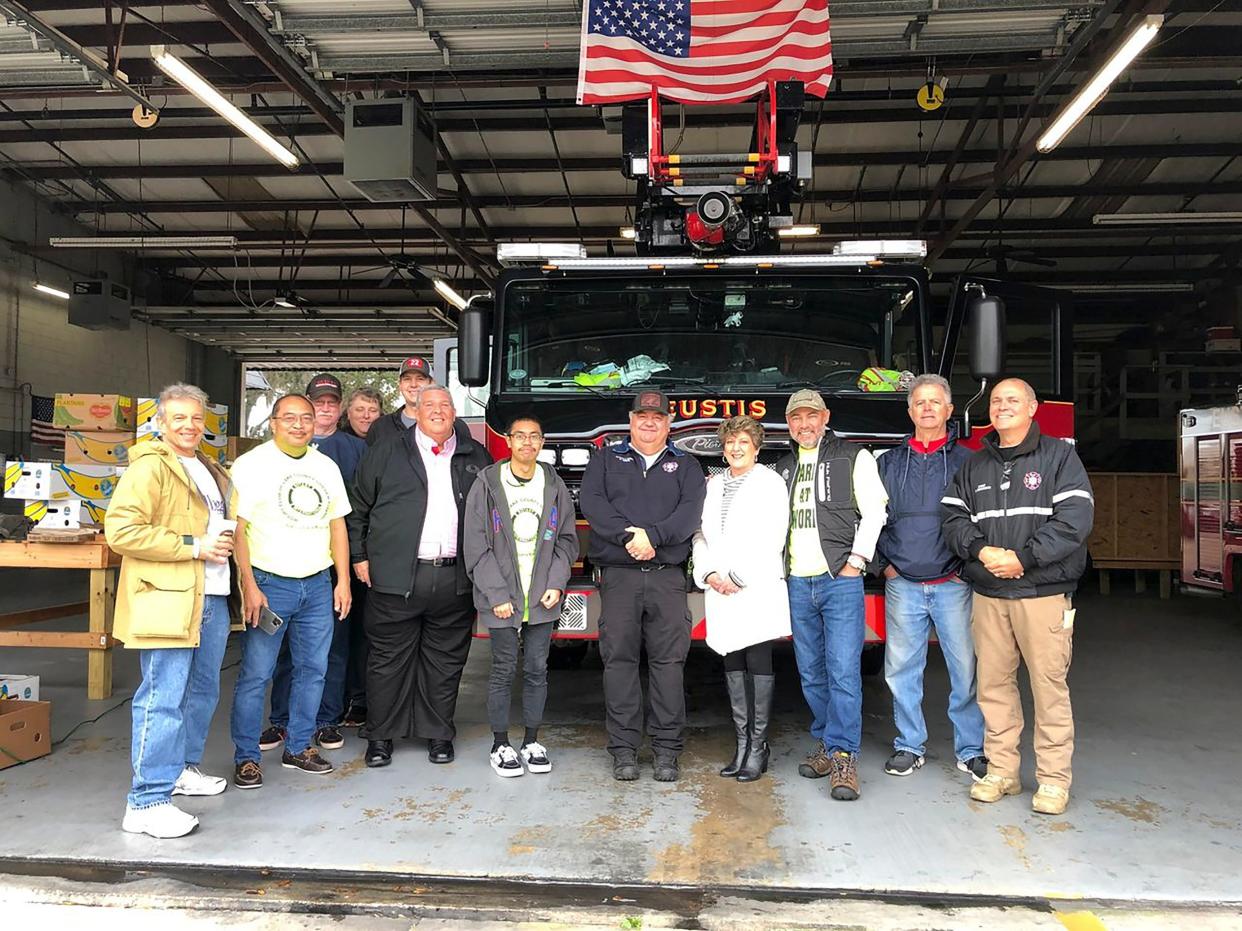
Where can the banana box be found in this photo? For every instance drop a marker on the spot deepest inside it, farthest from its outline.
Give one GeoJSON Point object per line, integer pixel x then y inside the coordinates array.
{"type": "Point", "coordinates": [92, 483]}
{"type": "Point", "coordinates": [146, 419]}
{"type": "Point", "coordinates": [214, 446]}
{"type": "Point", "coordinates": [89, 412]}
{"type": "Point", "coordinates": [61, 515]}
{"type": "Point", "coordinates": [216, 419]}
{"type": "Point", "coordinates": [29, 480]}
{"type": "Point", "coordinates": [97, 448]}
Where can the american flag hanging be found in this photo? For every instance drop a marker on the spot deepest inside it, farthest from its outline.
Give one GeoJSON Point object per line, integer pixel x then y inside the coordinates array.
{"type": "Point", "coordinates": [701, 51]}
{"type": "Point", "coordinates": [42, 430]}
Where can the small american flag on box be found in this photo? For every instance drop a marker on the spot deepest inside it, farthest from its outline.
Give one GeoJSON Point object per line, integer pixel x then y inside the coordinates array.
{"type": "Point", "coordinates": [42, 430]}
{"type": "Point", "coordinates": [701, 51]}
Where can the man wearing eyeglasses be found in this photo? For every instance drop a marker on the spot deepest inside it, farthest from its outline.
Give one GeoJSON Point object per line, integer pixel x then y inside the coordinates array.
{"type": "Point", "coordinates": [290, 529]}
{"type": "Point", "coordinates": [520, 543]}
{"type": "Point", "coordinates": [405, 534]}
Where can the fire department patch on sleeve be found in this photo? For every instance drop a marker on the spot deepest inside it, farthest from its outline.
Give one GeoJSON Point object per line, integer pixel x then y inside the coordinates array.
{"type": "Point", "coordinates": [1032, 480]}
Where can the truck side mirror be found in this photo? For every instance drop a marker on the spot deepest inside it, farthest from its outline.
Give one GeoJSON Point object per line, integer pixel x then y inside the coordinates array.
{"type": "Point", "coordinates": [985, 320]}
{"type": "Point", "coordinates": [473, 344]}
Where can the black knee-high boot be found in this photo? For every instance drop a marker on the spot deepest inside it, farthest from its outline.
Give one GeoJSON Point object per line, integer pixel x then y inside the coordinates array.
{"type": "Point", "coordinates": [756, 763]}
{"type": "Point", "coordinates": [736, 682]}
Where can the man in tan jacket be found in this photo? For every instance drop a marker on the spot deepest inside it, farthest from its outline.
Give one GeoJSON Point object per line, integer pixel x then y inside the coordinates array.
{"type": "Point", "coordinates": [171, 520]}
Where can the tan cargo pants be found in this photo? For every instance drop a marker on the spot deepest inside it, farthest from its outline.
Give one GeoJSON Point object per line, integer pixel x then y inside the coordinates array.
{"type": "Point", "coordinates": [1030, 629]}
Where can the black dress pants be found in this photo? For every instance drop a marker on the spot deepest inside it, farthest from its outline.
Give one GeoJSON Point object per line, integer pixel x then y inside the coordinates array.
{"type": "Point", "coordinates": [418, 649]}
{"type": "Point", "coordinates": [356, 671]}
{"type": "Point", "coordinates": [644, 607]}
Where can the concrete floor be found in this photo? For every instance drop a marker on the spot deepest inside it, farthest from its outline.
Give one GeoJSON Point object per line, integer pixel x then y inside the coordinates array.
{"type": "Point", "coordinates": [1154, 818]}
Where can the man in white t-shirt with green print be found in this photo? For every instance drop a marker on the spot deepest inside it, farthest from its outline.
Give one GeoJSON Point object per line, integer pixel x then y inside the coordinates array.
{"type": "Point", "coordinates": [520, 541]}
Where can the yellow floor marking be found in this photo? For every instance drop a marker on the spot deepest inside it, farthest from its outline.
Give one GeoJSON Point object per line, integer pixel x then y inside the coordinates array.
{"type": "Point", "coordinates": [1080, 921]}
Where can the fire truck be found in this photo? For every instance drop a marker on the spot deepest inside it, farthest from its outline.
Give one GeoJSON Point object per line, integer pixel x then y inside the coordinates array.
{"type": "Point", "coordinates": [1210, 470]}
{"type": "Point", "coordinates": [714, 313]}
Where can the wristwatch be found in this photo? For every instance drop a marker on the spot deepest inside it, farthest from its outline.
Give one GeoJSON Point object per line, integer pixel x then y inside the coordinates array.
{"type": "Point", "coordinates": [857, 562]}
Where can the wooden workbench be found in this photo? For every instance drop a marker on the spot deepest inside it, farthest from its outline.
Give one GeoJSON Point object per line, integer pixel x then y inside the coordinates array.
{"type": "Point", "coordinates": [97, 559]}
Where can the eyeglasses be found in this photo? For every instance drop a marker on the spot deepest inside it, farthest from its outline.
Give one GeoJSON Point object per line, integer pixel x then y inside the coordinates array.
{"type": "Point", "coordinates": [524, 437]}
{"type": "Point", "coordinates": [292, 420]}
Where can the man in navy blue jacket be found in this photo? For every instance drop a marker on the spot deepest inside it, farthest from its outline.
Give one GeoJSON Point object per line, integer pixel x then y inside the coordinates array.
{"type": "Point", "coordinates": [922, 586]}
{"type": "Point", "coordinates": [644, 500]}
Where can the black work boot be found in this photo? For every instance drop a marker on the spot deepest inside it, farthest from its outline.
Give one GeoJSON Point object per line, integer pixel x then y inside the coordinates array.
{"type": "Point", "coordinates": [757, 757]}
{"type": "Point", "coordinates": [736, 682]}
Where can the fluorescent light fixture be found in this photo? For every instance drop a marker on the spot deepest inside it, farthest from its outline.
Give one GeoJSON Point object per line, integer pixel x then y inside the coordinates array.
{"type": "Point", "coordinates": [48, 289]}
{"type": "Point", "coordinates": [143, 242]}
{"type": "Point", "coordinates": [1165, 219]}
{"type": "Point", "coordinates": [798, 231]}
{"type": "Point", "coordinates": [914, 248]}
{"type": "Point", "coordinates": [445, 290]}
{"type": "Point", "coordinates": [1094, 90]}
{"type": "Point", "coordinates": [194, 82]}
{"type": "Point", "coordinates": [536, 251]}
{"type": "Point", "coordinates": [628, 232]}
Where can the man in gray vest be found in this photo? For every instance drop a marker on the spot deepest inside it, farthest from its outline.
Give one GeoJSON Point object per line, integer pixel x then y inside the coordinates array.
{"type": "Point", "coordinates": [839, 507]}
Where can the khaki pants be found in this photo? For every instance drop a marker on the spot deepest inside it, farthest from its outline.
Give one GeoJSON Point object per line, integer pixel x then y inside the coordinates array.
{"type": "Point", "coordinates": [1030, 629]}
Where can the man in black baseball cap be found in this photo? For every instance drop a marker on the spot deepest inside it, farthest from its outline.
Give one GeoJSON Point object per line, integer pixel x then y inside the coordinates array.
{"type": "Point", "coordinates": [644, 500]}
{"type": "Point", "coordinates": [415, 374]}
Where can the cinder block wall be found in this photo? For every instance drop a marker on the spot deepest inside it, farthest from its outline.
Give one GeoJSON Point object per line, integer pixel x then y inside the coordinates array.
{"type": "Point", "coordinates": [40, 349]}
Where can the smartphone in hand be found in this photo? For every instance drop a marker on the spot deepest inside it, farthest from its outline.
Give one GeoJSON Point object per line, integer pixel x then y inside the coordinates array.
{"type": "Point", "coordinates": [269, 620]}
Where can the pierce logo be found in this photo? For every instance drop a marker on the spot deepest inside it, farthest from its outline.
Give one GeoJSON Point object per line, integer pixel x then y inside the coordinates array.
{"type": "Point", "coordinates": [1032, 480]}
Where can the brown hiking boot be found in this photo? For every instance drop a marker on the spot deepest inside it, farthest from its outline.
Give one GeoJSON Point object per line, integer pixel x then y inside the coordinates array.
{"type": "Point", "coordinates": [844, 775]}
{"type": "Point", "coordinates": [816, 765]}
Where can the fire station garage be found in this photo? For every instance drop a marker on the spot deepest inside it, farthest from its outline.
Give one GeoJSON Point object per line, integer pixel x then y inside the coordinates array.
{"type": "Point", "coordinates": [573, 211]}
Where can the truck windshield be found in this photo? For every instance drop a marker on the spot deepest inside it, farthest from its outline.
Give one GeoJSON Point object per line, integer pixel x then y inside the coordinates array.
{"type": "Point", "coordinates": [714, 332]}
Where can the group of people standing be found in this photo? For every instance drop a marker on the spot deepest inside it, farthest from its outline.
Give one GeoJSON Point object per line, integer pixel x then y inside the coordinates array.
{"type": "Point", "coordinates": [359, 549]}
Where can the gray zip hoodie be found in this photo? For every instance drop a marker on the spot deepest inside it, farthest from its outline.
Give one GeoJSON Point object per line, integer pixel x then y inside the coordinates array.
{"type": "Point", "coordinates": [491, 559]}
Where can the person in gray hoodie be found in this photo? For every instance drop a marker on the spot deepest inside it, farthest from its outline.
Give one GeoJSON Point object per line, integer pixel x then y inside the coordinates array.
{"type": "Point", "coordinates": [520, 540]}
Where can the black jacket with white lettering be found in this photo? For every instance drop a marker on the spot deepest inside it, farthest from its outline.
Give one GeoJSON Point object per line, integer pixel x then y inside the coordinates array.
{"type": "Point", "coordinates": [1034, 499]}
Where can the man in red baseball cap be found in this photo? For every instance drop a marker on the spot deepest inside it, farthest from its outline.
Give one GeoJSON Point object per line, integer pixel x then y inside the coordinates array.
{"type": "Point", "coordinates": [415, 374]}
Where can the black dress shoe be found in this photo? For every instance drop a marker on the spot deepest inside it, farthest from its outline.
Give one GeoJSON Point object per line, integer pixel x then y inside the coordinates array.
{"type": "Point", "coordinates": [440, 751]}
{"type": "Point", "coordinates": [379, 752]}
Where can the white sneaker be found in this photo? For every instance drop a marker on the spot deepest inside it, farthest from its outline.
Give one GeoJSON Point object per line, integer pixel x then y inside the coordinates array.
{"type": "Point", "coordinates": [164, 820]}
{"type": "Point", "coordinates": [535, 755]}
{"type": "Point", "coordinates": [505, 762]}
{"type": "Point", "coordinates": [193, 781]}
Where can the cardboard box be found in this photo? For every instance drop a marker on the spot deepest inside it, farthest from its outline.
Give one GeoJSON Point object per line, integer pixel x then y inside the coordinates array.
{"type": "Point", "coordinates": [146, 418]}
{"type": "Point", "coordinates": [30, 480]}
{"type": "Point", "coordinates": [94, 412]}
{"type": "Point", "coordinates": [100, 447]}
{"type": "Point", "coordinates": [92, 483]}
{"type": "Point", "coordinates": [214, 447]}
{"type": "Point", "coordinates": [18, 688]}
{"type": "Point", "coordinates": [216, 419]}
{"type": "Point", "coordinates": [64, 515]}
{"type": "Point", "coordinates": [25, 731]}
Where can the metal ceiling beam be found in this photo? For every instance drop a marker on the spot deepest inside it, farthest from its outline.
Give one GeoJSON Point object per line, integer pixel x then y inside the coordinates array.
{"type": "Point", "coordinates": [899, 113]}
{"type": "Point", "coordinates": [608, 163]}
{"type": "Point", "coordinates": [552, 201]}
{"type": "Point", "coordinates": [251, 30]}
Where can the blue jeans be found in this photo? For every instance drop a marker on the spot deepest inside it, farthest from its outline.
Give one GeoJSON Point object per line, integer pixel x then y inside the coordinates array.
{"type": "Point", "coordinates": [173, 706]}
{"type": "Point", "coordinates": [306, 606]}
{"type": "Point", "coordinates": [910, 611]}
{"type": "Point", "coordinates": [829, 627]}
{"type": "Point", "coordinates": [332, 704]}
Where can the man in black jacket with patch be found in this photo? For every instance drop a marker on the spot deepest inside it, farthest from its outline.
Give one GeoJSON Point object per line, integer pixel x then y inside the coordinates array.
{"type": "Point", "coordinates": [1019, 512]}
{"type": "Point", "coordinates": [405, 537]}
{"type": "Point", "coordinates": [644, 500]}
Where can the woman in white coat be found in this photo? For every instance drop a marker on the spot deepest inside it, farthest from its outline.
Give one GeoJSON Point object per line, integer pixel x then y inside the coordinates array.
{"type": "Point", "coordinates": [739, 559]}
